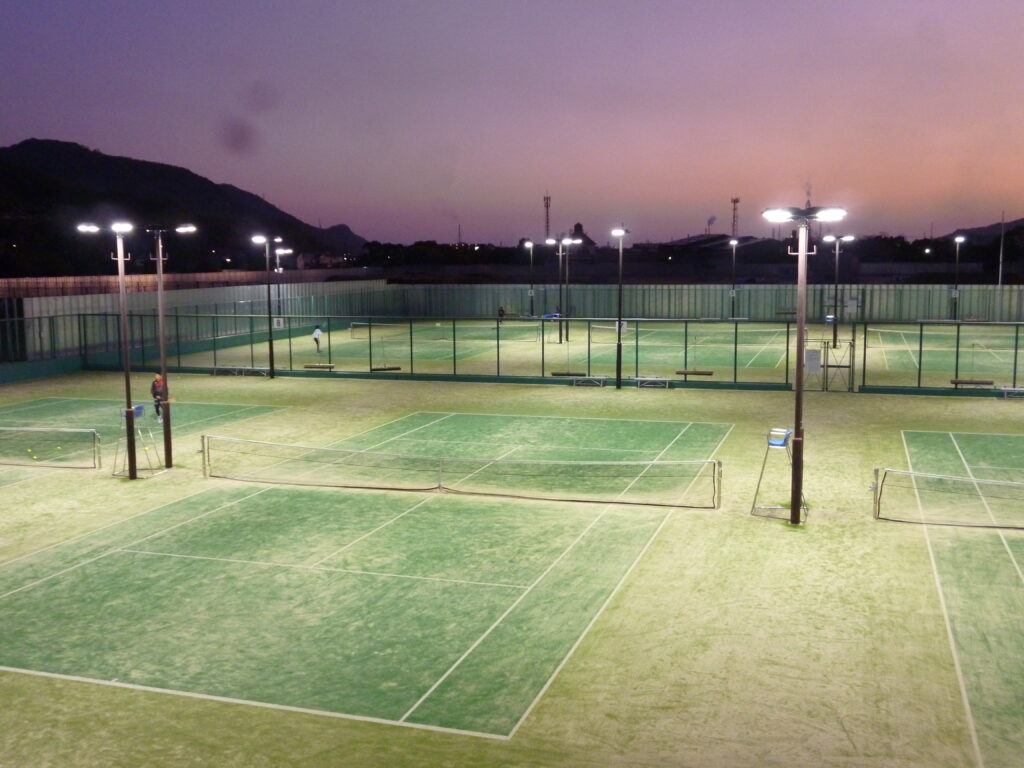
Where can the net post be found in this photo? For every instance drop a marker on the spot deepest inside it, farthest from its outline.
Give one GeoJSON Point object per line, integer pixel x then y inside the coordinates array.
{"type": "Point", "coordinates": [205, 449]}
{"type": "Point", "coordinates": [878, 493]}
{"type": "Point", "coordinates": [97, 455]}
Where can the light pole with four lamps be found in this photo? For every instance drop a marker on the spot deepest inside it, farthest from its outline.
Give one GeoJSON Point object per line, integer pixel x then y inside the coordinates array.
{"type": "Point", "coordinates": [265, 242]}
{"type": "Point", "coordinates": [553, 241]}
{"type": "Point", "coordinates": [620, 233]}
{"type": "Point", "coordinates": [802, 217]}
{"type": "Point", "coordinates": [835, 285]}
{"type": "Point", "coordinates": [165, 408]}
{"type": "Point", "coordinates": [567, 241]}
{"type": "Point", "coordinates": [120, 229]}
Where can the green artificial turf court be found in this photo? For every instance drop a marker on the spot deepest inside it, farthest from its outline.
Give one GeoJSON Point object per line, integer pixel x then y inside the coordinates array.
{"type": "Point", "coordinates": [307, 626]}
{"type": "Point", "coordinates": [103, 416]}
{"type": "Point", "coordinates": [440, 611]}
{"type": "Point", "coordinates": [979, 575]}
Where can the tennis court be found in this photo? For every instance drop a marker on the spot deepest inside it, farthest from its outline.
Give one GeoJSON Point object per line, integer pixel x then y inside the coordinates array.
{"type": "Point", "coordinates": [931, 354]}
{"type": "Point", "coordinates": [441, 611]}
{"type": "Point", "coordinates": [978, 573]}
{"type": "Point", "coordinates": [57, 430]}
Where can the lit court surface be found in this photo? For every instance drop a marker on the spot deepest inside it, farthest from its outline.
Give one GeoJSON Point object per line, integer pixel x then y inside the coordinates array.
{"type": "Point", "coordinates": [978, 572]}
{"type": "Point", "coordinates": [448, 611]}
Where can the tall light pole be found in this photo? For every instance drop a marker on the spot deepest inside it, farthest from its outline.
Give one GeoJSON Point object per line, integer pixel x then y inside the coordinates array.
{"type": "Point", "coordinates": [956, 278]}
{"type": "Point", "coordinates": [567, 241]}
{"type": "Point", "coordinates": [120, 229]}
{"type": "Point", "coordinates": [278, 269]}
{"type": "Point", "coordinates": [835, 285]}
{"type": "Point", "coordinates": [619, 232]}
{"type": "Point", "coordinates": [184, 229]}
{"type": "Point", "coordinates": [732, 289]}
{"type": "Point", "coordinates": [265, 242]}
{"type": "Point", "coordinates": [802, 217]}
{"type": "Point", "coordinates": [528, 245]}
{"type": "Point", "coordinates": [552, 241]}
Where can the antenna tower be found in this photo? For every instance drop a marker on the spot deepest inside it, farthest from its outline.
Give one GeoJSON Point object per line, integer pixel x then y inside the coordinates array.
{"type": "Point", "coordinates": [547, 216]}
{"type": "Point", "coordinates": [735, 215]}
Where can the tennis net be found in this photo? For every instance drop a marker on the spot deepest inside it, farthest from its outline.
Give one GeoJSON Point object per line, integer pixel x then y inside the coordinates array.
{"type": "Point", "coordinates": [918, 497]}
{"type": "Point", "coordinates": [653, 483]}
{"type": "Point", "coordinates": [50, 447]}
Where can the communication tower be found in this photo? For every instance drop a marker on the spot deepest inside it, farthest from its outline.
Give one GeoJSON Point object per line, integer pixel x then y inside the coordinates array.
{"type": "Point", "coordinates": [547, 216]}
{"type": "Point", "coordinates": [735, 215]}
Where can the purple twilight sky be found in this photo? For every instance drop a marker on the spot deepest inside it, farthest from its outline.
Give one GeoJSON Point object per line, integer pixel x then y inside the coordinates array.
{"type": "Point", "coordinates": [407, 118]}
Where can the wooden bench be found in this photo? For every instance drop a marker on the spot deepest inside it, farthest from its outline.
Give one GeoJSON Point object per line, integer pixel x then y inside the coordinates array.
{"type": "Point", "coordinates": [239, 370]}
{"type": "Point", "coordinates": [1013, 392]}
{"type": "Point", "coordinates": [957, 383]}
{"type": "Point", "coordinates": [589, 381]}
{"type": "Point", "coordinates": [652, 382]}
{"type": "Point", "coordinates": [695, 373]}
{"type": "Point", "coordinates": [320, 366]}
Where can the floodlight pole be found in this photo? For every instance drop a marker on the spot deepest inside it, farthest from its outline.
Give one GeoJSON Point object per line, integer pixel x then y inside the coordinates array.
{"type": "Point", "coordinates": [956, 278]}
{"type": "Point", "coordinates": [797, 484]}
{"type": "Point", "coordinates": [802, 218]}
{"type": "Point", "coordinates": [129, 415]}
{"type": "Point", "coordinates": [529, 246]}
{"type": "Point", "coordinates": [265, 242]}
{"type": "Point", "coordinates": [184, 229]}
{"type": "Point", "coordinates": [620, 233]}
{"type": "Point", "coordinates": [552, 241]}
{"type": "Point", "coordinates": [162, 333]}
{"type": "Point", "coordinates": [732, 288]}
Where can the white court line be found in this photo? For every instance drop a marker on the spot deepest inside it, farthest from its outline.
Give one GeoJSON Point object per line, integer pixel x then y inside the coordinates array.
{"type": "Point", "coordinates": [578, 418]}
{"type": "Point", "coordinates": [988, 509]}
{"type": "Point", "coordinates": [96, 530]}
{"type": "Point", "coordinates": [529, 589]}
{"type": "Point", "coordinates": [607, 601]}
{"type": "Point", "coordinates": [252, 703]}
{"type": "Point", "coordinates": [395, 437]}
{"type": "Point", "coordinates": [945, 617]}
{"type": "Point", "coordinates": [369, 533]}
{"type": "Point", "coordinates": [529, 445]}
{"type": "Point", "coordinates": [319, 568]}
{"type": "Point", "coordinates": [137, 541]}
{"type": "Point", "coordinates": [770, 342]}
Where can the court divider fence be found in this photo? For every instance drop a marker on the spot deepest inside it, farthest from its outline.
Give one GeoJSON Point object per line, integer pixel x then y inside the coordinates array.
{"type": "Point", "coordinates": [972, 358]}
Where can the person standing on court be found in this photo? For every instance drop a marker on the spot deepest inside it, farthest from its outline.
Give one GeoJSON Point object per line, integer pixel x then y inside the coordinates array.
{"type": "Point", "coordinates": [501, 314]}
{"type": "Point", "coordinates": [158, 389]}
{"type": "Point", "coordinates": [316, 338]}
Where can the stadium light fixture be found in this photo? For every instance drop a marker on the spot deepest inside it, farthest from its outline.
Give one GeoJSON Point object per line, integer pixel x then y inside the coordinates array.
{"type": "Point", "coordinates": [120, 229]}
{"type": "Point", "coordinates": [620, 233]}
{"type": "Point", "coordinates": [165, 409]}
{"type": "Point", "coordinates": [802, 217]}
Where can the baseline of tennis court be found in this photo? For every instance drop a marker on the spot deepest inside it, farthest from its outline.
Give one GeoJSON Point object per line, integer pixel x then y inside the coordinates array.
{"type": "Point", "coordinates": [46, 417]}
{"type": "Point", "coordinates": [430, 610]}
{"type": "Point", "coordinates": [979, 576]}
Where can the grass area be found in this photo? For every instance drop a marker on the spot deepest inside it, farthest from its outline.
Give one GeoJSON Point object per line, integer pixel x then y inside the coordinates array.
{"type": "Point", "coordinates": [734, 641]}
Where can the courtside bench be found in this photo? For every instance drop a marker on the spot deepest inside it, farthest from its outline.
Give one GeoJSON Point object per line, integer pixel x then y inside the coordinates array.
{"type": "Point", "coordinates": [589, 381]}
{"type": "Point", "coordinates": [1009, 392]}
{"type": "Point", "coordinates": [686, 373]}
{"type": "Point", "coordinates": [957, 383]}
{"type": "Point", "coordinates": [319, 366]}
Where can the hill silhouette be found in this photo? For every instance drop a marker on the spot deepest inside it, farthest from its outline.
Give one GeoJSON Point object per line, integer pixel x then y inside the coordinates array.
{"type": "Point", "coordinates": [50, 186]}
